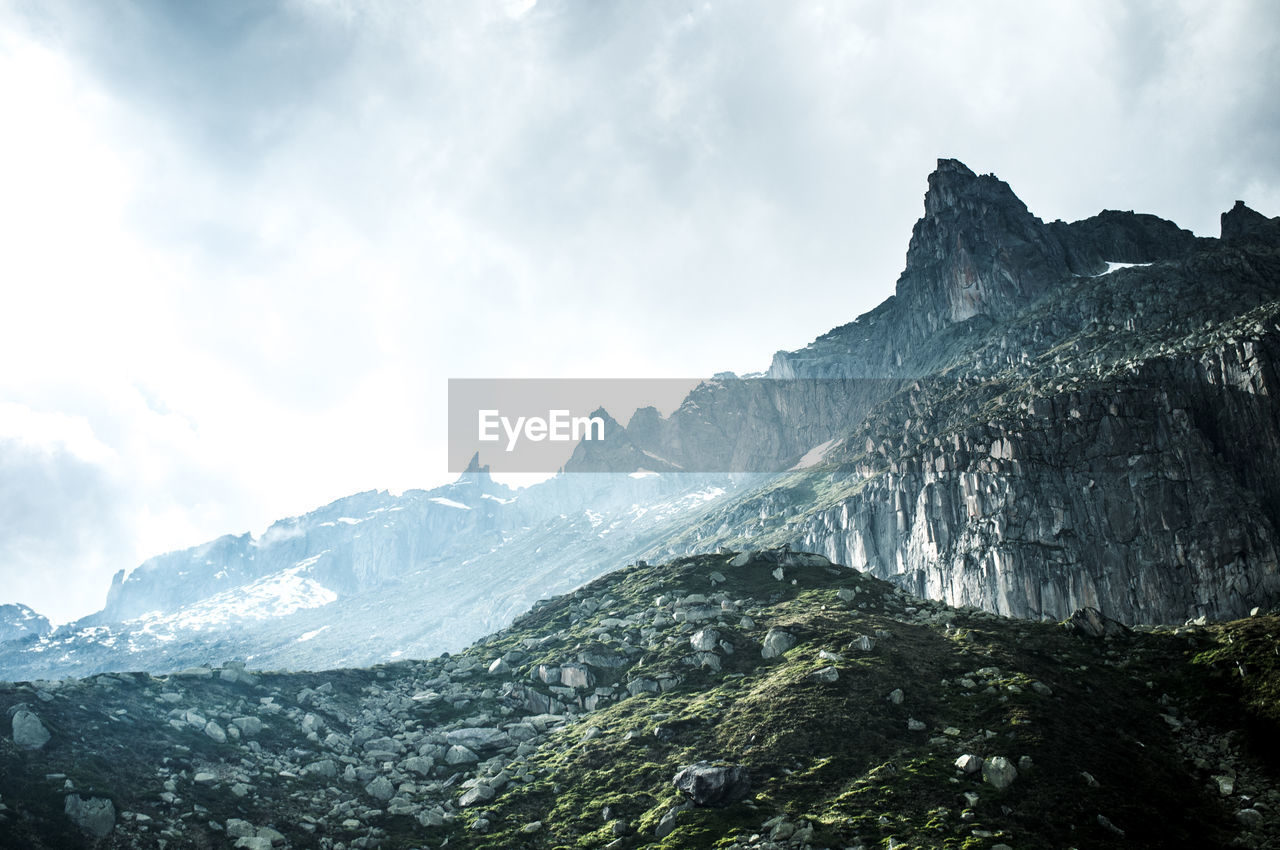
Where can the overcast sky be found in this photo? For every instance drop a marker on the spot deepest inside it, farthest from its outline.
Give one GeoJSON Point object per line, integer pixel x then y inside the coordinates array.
{"type": "Point", "coordinates": [243, 245]}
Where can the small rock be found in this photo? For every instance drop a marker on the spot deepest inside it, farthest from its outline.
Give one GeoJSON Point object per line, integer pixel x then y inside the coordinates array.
{"type": "Point", "coordinates": [1106, 824]}
{"type": "Point", "coordinates": [667, 824]}
{"type": "Point", "coordinates": [216, 732]}
{"type": "Point", "coordinates": [1249, 818]}
{"type": "Point", "coordinates": [915, 725]}
{"type": "Point", "coordinates": [531, 828]}
{"type": "Point", "coordinates": [969, 763]}
{"type": "Point", "coordinates": [1226, 785]}
{"type": "Point", "coordinates": [896, 696]}
{"type": "Point", "coordinates": [826, 674]}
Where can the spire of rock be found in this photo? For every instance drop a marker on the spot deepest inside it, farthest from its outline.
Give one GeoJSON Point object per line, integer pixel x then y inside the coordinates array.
{"type": "Point", "coordinates": [977, 251]}
{"type": "Point", "coordinates": [474, 465]}
{"type": "Point", "coordinates": [1242, 224]}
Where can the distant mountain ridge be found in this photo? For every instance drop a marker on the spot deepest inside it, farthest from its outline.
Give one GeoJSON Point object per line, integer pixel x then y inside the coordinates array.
{"type": "Point", "coordinates": [1045, 416]}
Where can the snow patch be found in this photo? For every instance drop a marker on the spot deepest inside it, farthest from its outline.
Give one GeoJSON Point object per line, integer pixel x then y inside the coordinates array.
{"type": "Point", "coordinates": [450, 503]}
{"type": "Point", "coordinates": [1114, 266]}
{"type": "Point", "coordinates": [305, 636]}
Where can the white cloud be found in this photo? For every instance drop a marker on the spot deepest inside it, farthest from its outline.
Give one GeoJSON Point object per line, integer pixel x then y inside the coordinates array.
{"type": "Point", "coordinates": [248, 243]}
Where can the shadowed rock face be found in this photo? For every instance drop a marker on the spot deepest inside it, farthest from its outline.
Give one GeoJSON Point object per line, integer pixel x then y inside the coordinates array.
{"type": "Point", "coordinates": [1050, 433]}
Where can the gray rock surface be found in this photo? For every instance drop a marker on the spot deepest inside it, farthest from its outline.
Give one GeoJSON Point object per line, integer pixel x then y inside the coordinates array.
{"type": "Point", "coordinates": [28, 731]}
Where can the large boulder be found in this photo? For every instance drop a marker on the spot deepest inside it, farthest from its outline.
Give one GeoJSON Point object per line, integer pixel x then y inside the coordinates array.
{"type": "Point", "coordinates": [28, 732]}
{"type": "Point", "coordinates": [95, 815]}
{"type": "Point", "coordinates": [713, 784]}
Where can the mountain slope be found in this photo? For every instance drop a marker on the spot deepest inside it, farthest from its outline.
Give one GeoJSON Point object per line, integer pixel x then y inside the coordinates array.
{"type": "Point", "coordinates": [1044, 416]}
{"type": "Point", "coordinates": [842, 704]}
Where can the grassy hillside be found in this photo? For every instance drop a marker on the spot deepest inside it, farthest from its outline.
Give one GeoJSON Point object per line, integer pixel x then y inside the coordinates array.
{"type": "Point", "coordinates": [849, 736]}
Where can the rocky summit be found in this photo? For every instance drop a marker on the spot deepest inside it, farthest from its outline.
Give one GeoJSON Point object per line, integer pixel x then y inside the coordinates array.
{"type": "Point", "coordinates": [737, 700]}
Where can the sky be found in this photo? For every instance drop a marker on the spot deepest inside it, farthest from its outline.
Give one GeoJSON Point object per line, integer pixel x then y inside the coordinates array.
{"type": "Point", "coordinates": [245, 244]}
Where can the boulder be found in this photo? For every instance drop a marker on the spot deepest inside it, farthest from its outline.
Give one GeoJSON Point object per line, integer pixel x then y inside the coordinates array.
{"type": "Point", "coordinates": [713, 784]}
{"type": "Point", "coordinates": [460, 755]}
{"type": "Point", "coordinates": [776, 642]}
{"type": "Point", "coordinates": [969, 763]}
{"type": "Point", "coordinates": [94, 815]}
{"type": "Point", "coordinates": [577, 676]}
{"type": "Point", "coordinates": [826, 674]}
{"type": "Point", "coordinates": [380, 789]}
{"type": "Point", "coordinates": [704, 640]}
{"type": "Point", "coordinates": [478, 793]}
{"type": "Point", "coordinates": [478, 738]}
{"type": "Point", "coordinates": [248, 726]}
{"type": "Point", "coordinates": [28, 732]}
{"type": "Point", "coordinates": [998, 771]}
{"type": "Point", "coordinates": [1090, 622]}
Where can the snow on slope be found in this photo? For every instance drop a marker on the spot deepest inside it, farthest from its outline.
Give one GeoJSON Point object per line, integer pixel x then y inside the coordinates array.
{"type": "Point", "coordinates": [269, 597]}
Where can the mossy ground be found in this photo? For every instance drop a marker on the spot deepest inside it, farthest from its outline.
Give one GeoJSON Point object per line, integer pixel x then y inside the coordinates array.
{"type": "Point", "coordinates": [840, 755]}
{"type": "Point", "coordinates": [1100, 721]}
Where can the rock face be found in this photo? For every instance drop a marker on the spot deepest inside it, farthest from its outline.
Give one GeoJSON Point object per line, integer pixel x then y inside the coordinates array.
{"type": "Point", "coordinates": [707, 784]}
{"type": "Point", "coordinates": [28, 732]}
{"type": "Point", "coordinates": [1039, 431]}
{"type": "Point", "coordinates": [95, 815]}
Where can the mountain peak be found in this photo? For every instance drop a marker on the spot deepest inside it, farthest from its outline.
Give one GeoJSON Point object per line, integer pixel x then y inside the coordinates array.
{"type": "Point", "coordinates": [1242, 224]}
{"type": "Point", "coordinates": [976, 251]}
{"type": "Point", "coordinates": [475, 467]}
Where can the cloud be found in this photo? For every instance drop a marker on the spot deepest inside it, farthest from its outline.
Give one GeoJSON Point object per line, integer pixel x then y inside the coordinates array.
{"type": "Point", "coordinates": [248, 243]}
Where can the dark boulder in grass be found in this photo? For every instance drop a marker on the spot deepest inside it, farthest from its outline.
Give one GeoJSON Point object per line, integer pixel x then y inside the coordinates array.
{"type": "Point", "coordinates": [708, 784]}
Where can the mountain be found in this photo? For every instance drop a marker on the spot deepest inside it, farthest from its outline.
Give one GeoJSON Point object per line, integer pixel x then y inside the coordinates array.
{"type": "Point", "coordinates": [1045, 416]}
{"type": "Point", "coordinates": [18, 622]}
{"type": "Point", "coordinates": [766, 699]}
{"type": "Point", "coordinates": [368, 578]}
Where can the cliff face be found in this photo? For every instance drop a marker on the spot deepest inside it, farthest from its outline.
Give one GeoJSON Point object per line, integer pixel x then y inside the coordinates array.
{"type": "Point", "coordinates": [1059, 430]}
